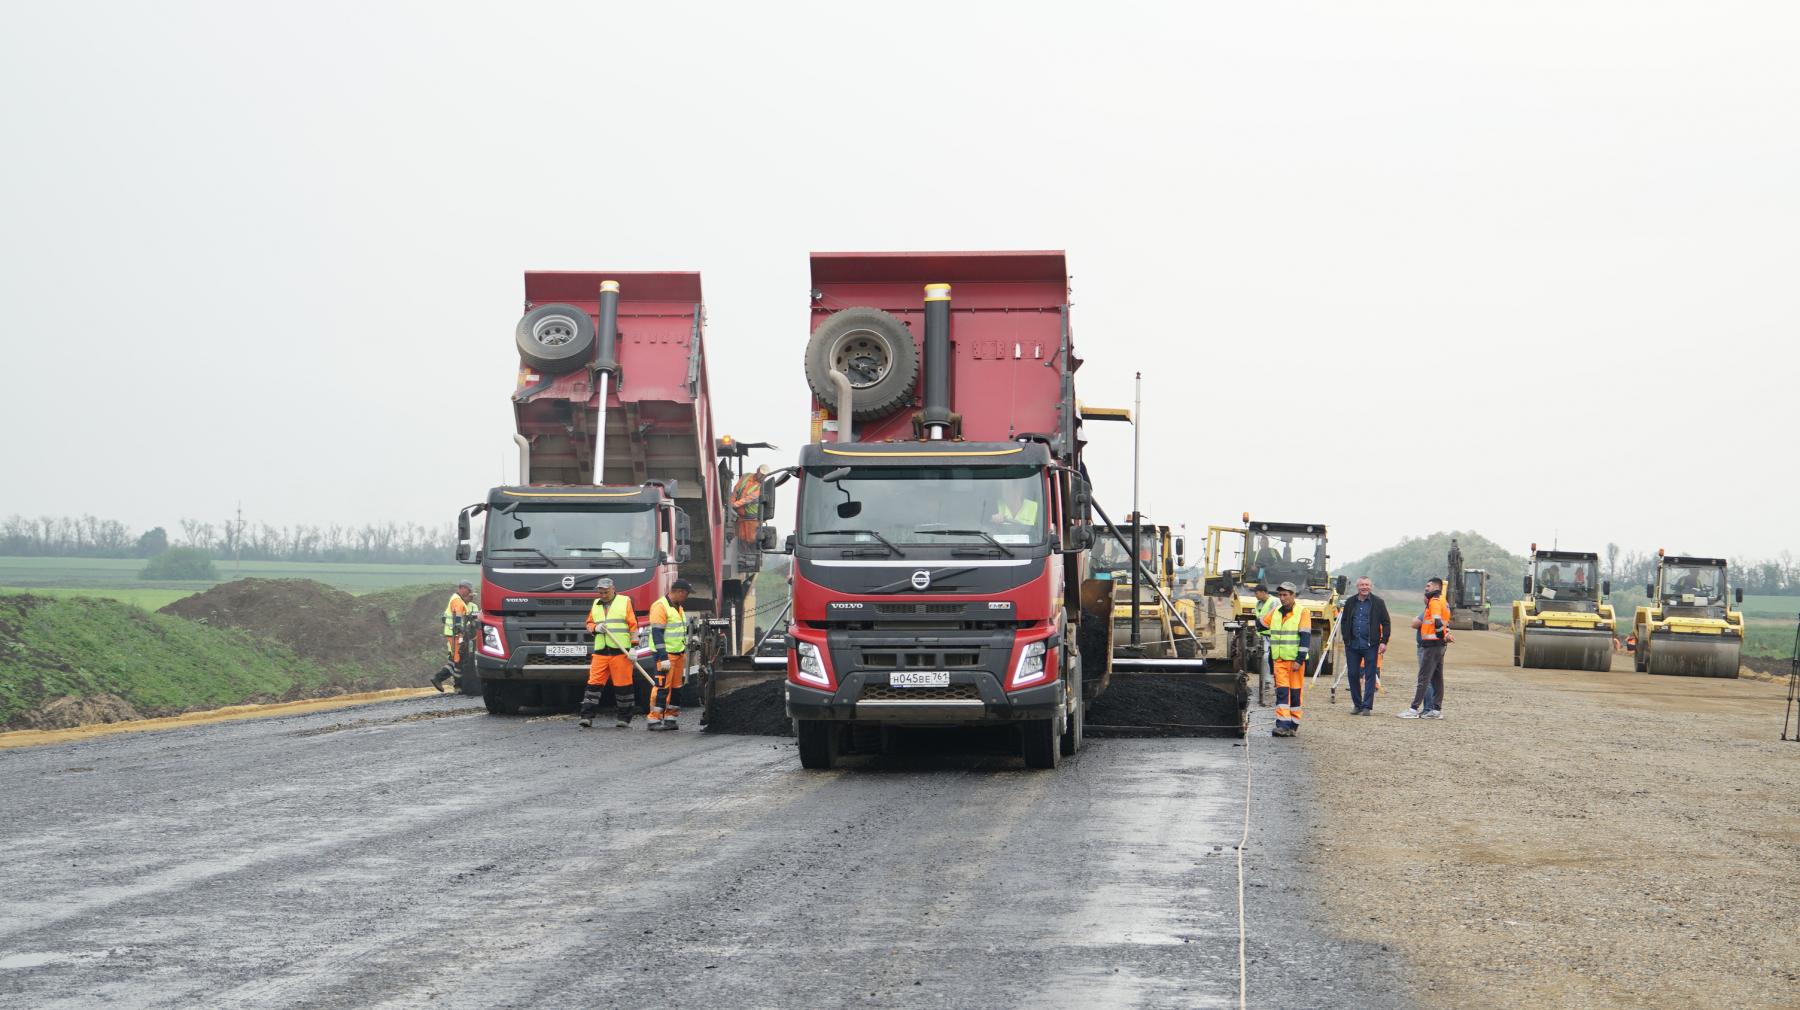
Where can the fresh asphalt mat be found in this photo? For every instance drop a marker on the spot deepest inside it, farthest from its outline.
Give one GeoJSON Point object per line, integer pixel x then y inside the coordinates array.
{"type": "Point", "coordinates": [398, 855]}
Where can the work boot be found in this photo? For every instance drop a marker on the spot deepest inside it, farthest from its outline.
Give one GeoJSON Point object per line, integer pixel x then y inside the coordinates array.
{"type": "Point", "coordinates": [587, 722]}
{"type": "Point", "coordinates": [438, 678]}
{"type": "Point", "coordinates": [655, 726]}
{"type": "Point", "coordinates": [624, 718]}
{"type": "Point", "coordinates": [670, 724]}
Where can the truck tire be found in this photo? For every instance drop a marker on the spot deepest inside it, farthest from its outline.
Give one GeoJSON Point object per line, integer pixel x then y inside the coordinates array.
{"type": "Point", "coordinates": [498, 698]}
{"type": "Point", "coordinates": [1039, 742]}
{"type": "Point", "coordinates": [555, 338]}
{"type": "Point", "coordinates": [818, 743]}
{"type": "Point", "coordinates": [1077, 722]}
{"type": "Point", "coordinates": [875, 350]}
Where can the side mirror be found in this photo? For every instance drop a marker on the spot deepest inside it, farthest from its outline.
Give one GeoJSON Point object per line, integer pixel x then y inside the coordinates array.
{"type": "Point", "coordinates": [767, 539]}
{"type": "Point", "coordinates": [1342, 582]}
{"type": "Point", "coordinates": [1650, 590]}
{"type": "Point", "coordinates": [462, 550]}
{"type": "Point", "coordinates": [1527, 585]}
{"type": "Point", "coordinates": [1738, 594]}
{"type": "Point", "coordinates": [1606, 587]}
{"type": "Point", "coordinates": [683, 554]}
{"type": "Point", "coordinates": [1081, 537]}
{"type": "Point", "coordinates": [787, 546]}
{"type": "Point", "coordinates": [1181, 552]}
{"type": "Point", "coordinates": [462, 525]}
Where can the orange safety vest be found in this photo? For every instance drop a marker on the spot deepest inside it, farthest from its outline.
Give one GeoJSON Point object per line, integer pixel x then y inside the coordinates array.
{"type": "Point", "coordinates": [1434, 607]}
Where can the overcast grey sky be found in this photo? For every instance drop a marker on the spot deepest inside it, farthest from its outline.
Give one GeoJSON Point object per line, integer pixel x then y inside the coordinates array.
{"type": "Point", "coordinates": [275, 253]}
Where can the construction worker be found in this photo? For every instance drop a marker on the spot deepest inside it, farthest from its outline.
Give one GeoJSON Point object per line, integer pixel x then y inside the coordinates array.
{"type": "Point", "coordinates": [1015, 506]}
{"type": "Point", "coordinates": [613, 623]}
{"type": "Point", "coordinates": [1433, 627]}
{"type": "Point", "coordinates": [1290, 640]}
{"type": "Point", "coordinates": [1265, 605]}
{"type": "Point", "coordinates": [746, 498]}
{"type": "Point", "coordinates": [668, 630]}
{"type": "Point", "coordinates": [458, 615]}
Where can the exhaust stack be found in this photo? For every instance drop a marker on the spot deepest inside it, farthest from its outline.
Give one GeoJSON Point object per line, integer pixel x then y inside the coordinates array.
{"type": "Point", "coordinates": [936, 418]}
{"type": "Point", "coordinates": [605, 368]}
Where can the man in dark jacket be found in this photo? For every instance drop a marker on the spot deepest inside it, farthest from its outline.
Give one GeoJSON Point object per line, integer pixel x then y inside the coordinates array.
{"type": "Point", "coordinates": [1365, 630]}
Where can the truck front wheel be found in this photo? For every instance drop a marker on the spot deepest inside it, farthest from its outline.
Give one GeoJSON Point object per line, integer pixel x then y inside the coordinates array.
{"type": "Point", "coordinates": [818, 743]}
{"type": "Point", "coordinates": [1041, 744]}
{"type": "Point", "coordinates": [498, 698]}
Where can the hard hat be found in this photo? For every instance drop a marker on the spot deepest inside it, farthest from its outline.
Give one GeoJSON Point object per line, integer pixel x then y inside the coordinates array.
{"type": "Point", "coordinates": [1287, 587]}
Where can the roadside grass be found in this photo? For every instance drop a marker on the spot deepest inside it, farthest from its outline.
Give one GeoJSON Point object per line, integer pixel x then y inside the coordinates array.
{"type": "Point", "coordinates": [122, 573]}
{"type": "Point", "coordinates": [146, 599]}
{"type": "Point", "coordinates": [160, 664]}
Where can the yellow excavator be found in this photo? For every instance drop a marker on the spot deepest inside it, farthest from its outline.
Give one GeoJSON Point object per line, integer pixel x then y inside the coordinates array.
{"type": "Point", "coordinates": [1563, 622]}
{"type": "Point", "coordinates": [1269, 554]}
{"type": "Point", "coordinates": [1687, 627]}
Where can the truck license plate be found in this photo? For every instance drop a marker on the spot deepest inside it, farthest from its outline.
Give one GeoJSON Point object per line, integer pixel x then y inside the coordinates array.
{"type": "Point", "coordinates": [919, 678]}
{"type": "Point", "coordinates": [565, 650]}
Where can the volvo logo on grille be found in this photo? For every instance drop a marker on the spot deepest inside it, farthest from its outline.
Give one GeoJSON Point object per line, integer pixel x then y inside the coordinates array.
{"type": "Point", "coordinates": [921, 579]}
{"type": "Point", "coordinates": [568, 582]}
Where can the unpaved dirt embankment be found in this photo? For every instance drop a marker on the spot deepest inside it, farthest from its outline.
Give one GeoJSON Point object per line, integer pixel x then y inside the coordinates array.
{"type": "Point", "coordinates": [1564, 839]}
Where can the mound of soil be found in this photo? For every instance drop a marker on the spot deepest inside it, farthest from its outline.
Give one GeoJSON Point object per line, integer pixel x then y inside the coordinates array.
{"type": "Point", "coordinates": [1148, 704]}
{"type": "Point", "coordinates": [315, 620]}
{"type": "Point", "coordinates": [757, 710]}
{"type": "Point", "coordinates": [62, 713]}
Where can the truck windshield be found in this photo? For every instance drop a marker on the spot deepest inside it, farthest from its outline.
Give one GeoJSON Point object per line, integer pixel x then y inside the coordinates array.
{"type": "Point", "coordinates": [573, 536]}
{"type": "Point", "coordinates": [934, 506]}
{"type": "Point", "coordinates": [1285, 557]}
{"type": "Point", "coordinates": [1566, 580]}
{"type": "Point", "coordinates": [1110, 556]}
{"type": "Point", "coordinates": [1704, 583]}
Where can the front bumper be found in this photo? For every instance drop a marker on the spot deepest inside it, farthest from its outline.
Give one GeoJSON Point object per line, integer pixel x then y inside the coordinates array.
{"type": "Point", "coordinates": [973, 697]}
{"type": "Point", "coordinates": [528, 664]}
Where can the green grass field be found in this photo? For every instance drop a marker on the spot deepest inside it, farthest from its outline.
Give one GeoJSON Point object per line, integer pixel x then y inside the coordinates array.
{"type": "Point", "coordinates": [32, 574]}
{"type": "Point", "coordinates": [147, 599]}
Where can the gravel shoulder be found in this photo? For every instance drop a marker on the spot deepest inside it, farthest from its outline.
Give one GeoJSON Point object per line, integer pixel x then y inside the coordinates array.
{"type": "Point", "coordinates": [1562, 838]}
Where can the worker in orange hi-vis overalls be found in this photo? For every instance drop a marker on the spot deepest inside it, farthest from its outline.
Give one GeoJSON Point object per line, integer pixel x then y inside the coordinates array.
{"type": "Point", "coordinates": [668, 631]}
{"type": "Point", "coordinates": [613, 623]}
{"type": "Point", "coordinates": [457, 613]}
{"type": "Point", "coordinates": [1290, 638]}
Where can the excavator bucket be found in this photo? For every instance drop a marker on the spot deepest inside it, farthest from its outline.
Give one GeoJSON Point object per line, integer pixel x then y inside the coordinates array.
{"type": "Point", "coordinates": [1566, 649]}
{"type": "Point", "coordinates": [1685, 654]}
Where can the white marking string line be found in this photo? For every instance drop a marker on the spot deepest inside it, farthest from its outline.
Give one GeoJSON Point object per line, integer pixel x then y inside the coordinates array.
{"type": "Point", "coordinates": [1243, 974]}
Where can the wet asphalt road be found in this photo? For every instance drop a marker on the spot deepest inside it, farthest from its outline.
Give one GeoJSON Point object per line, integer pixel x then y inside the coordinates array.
{"type": "Point", "coordinates": [422, 854]}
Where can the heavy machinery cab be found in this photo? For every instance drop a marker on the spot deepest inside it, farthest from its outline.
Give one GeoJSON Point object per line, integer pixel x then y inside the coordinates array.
{"type": "Point", "coordinates": [547, 548]}
{"type": "Point", "coordinates": [919, 522]}
{"type": "Point", "coordinates": [1691, 587]}
{"type": "Point", "coordinates": [1270, 554]}
{"type": "Point", "coordinates": [1565, 581]}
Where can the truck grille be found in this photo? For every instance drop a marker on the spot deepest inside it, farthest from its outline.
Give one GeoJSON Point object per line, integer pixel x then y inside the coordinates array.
{"type": "Point", "coordinates": [534, 636]}
{"type": "Point", "coordinates": [918, 608]}
{"type": "Point", "coordinates": [559, 660]}
{"type": "Point", "coordinates": [955, 692]}
{"type": "Point", "coordinates": [921, 660]}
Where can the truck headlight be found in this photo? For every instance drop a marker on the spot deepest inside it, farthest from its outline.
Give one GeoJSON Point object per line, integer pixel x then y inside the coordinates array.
{"type": "Point", "coordinates": [1031, 665]}
{"type": "Point", "coordinates": [810, 666]}
{"type": "Point", "coordinates": [491, 642]}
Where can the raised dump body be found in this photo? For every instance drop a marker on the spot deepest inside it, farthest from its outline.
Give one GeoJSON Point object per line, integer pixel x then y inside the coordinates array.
{"type": "Point", "coordinates": [612, 362]}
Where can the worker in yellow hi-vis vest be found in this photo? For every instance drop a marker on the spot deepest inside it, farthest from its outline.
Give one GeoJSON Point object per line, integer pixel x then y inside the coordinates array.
{"type": "Point", "coordinates": [1017, 506]}
{"type": "Point", "coordinates": [668, 630]}
{"type": "Point", "coordinates": [613, 623]}
{"type": "Point", "coordinates": [459, 614]}
{"type": "Point", "coordinates": [1290, 639]}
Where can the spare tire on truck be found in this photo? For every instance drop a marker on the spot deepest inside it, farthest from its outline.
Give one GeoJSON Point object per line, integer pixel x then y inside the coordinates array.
{"type": "Point", "coordinates": [556, 338]}
{"type": "Point", "coordinates": [875, 350]}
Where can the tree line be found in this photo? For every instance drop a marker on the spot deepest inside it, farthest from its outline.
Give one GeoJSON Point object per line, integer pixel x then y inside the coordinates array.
{"type": "Point", "coordinates": [88, 536]}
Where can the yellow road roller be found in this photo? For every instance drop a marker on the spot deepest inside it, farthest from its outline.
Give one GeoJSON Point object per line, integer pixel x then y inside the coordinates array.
{"type": "Point", "coordinates": [1687, 628]}
{"type": "Point", "coordinates": [1563, 621]}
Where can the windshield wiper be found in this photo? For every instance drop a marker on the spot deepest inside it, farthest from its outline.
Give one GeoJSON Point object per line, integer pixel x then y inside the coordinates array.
{"type": "Point", "coordinates": [884, 540]}
{"type": "Point", "coordinates": [548, 560]}
{"type": "Point", "coordinates": [624, 561]}
{"type": "Point", "coordinates": [971, 533]}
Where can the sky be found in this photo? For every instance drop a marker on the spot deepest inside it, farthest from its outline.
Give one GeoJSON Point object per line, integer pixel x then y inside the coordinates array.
{"type": "Point", "coordinates": [1522, 268]}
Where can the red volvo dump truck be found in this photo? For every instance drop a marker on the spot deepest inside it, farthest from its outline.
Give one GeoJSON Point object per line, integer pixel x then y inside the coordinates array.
{"type": "Point", "coordinates": [621, 477]}
{"type": "Point", "coordinates": [940, 553]}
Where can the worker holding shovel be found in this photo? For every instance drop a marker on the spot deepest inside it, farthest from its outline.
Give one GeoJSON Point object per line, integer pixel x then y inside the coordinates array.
{"type": "Point", "coordinates": [613, 623]}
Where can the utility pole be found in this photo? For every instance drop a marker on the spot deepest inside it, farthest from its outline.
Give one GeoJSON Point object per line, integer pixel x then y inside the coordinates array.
{"type": "Point", "coordinates": [237, 542]}
{"type": "Point", "coordinates": [1137, 519]}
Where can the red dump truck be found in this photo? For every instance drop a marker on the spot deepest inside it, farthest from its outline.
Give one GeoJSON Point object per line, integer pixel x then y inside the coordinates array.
{"type": "Point", "coordinates": [612, 372]}
{"type": "Point", "coordinates": [943, 517]}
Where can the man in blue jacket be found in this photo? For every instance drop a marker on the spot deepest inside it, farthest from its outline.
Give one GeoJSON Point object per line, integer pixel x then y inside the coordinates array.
{"type": "Point", "coordinates": [1365, 630]}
